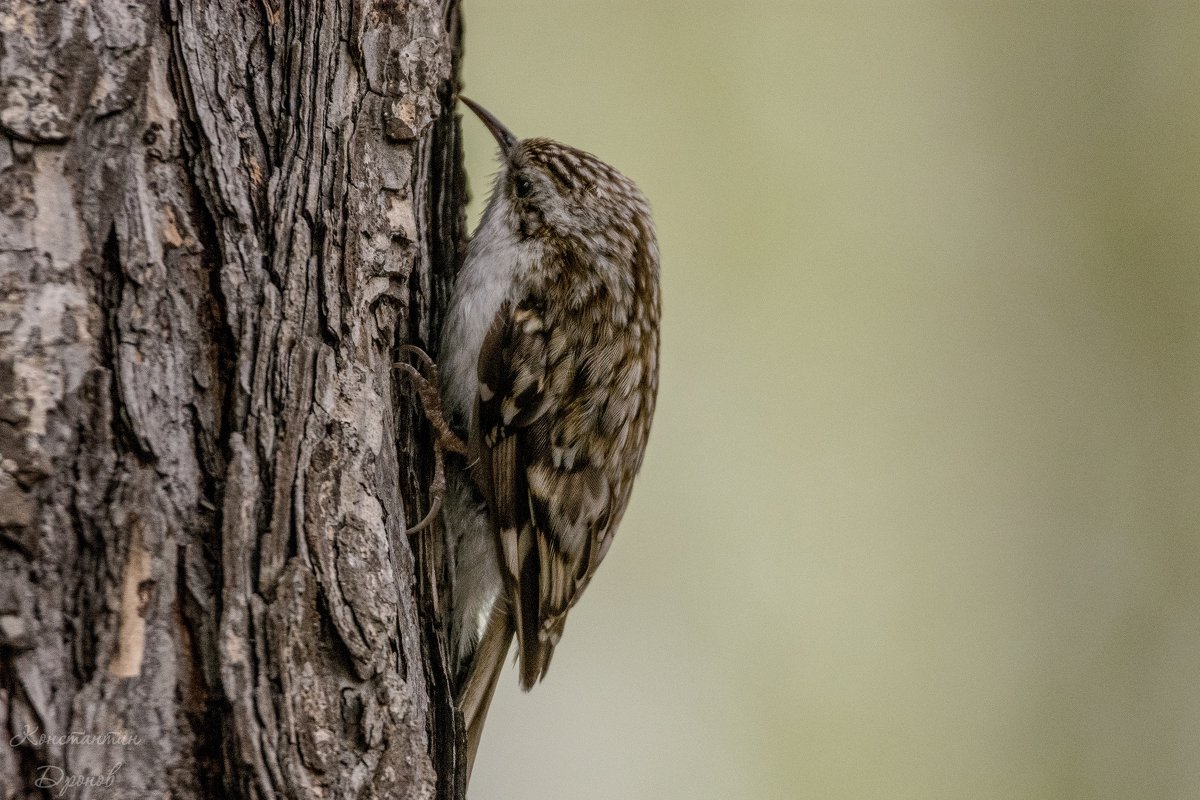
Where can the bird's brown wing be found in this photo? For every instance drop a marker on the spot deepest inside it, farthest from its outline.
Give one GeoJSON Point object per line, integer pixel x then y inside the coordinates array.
{"type": "Point", "coordinates": [550, 502]}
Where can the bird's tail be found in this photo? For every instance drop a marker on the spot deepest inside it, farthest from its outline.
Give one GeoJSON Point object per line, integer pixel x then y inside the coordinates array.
{"type": "Point", "coordinates": [480, 682]}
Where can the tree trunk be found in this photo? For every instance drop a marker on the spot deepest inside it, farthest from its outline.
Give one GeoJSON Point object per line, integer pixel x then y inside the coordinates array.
{"type": "Point", "coordinates": [217, 222]}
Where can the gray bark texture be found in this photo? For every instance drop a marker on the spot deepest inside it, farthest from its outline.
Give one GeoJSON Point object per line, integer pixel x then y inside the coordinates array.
{"type": "Point", "coordinates": [218, 221]}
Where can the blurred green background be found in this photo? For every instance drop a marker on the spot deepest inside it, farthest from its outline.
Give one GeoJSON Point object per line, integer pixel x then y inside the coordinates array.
{"type": "Point", "coordinates": [919, 517]}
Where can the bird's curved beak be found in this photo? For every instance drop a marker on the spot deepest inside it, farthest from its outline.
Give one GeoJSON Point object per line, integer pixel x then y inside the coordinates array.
{"type": "Point", "coordinates": [504, 136]}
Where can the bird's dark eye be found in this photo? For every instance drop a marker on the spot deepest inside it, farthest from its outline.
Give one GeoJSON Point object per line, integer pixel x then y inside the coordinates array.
{"type": "Point", "coordinates": [522, 186]}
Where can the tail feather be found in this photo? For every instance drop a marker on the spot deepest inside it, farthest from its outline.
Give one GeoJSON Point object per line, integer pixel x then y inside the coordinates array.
{"type": "Point", "coordinates": [480, 682]}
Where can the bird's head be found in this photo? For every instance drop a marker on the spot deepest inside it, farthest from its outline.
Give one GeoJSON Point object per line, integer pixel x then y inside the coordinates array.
{"type": "Point", "coordinates": [548, 189]}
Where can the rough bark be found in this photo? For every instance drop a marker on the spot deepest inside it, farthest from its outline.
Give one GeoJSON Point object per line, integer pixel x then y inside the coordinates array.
{"type": "Point", "coordinates": [217, 222]}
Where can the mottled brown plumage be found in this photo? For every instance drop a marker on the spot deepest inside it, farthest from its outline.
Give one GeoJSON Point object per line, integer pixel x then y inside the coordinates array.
{"type": "Point", "coordinates": [550, 363]}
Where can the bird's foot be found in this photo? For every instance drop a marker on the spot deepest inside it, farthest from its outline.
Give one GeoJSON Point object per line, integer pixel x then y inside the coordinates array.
{"type": "Point", "coordinates": [444, 438]}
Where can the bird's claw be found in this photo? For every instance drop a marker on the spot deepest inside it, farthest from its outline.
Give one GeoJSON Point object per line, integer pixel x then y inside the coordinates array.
{"type": "Point", "coordinates": [444, 438]}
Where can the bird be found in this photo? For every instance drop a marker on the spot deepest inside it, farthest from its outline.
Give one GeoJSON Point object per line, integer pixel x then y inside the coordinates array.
{"type": "Point", "coordinates": [548, 365]}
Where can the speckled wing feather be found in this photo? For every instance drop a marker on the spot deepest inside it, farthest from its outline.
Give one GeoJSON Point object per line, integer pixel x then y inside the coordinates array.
{"type": "Point", "coordinates": [551, 501]}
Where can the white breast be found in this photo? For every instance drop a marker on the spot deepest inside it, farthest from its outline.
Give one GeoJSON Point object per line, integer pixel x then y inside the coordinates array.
{"type": "Point", "coordinates": [495, 259]}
